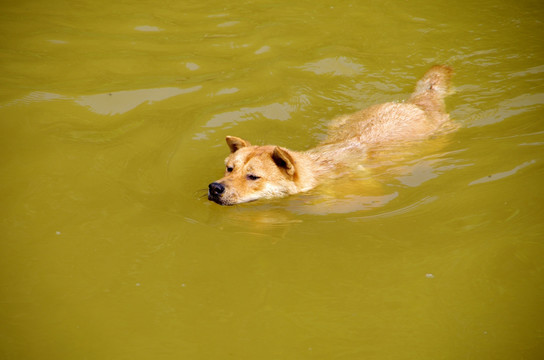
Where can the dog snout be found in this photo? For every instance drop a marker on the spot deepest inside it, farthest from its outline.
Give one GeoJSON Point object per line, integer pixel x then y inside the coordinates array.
{"type": "Point", "coordinates": [216, 189]}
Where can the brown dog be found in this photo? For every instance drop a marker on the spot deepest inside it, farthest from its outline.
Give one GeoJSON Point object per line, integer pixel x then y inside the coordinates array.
{"type": "Point", "coordinates": [257, 172]}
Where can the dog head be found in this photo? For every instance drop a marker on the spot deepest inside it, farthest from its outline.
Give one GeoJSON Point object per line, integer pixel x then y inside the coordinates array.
{"type": "Point", "coordinates": [254, 172]}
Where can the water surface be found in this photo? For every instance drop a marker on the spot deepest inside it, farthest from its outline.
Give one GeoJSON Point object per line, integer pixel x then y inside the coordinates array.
{"type": "Point", "coordinates": [113, 117]}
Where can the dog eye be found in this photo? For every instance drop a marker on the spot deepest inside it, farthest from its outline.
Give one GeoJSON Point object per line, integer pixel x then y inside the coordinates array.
{"type": "Point", "coordinates": [253, 177]}
{"type": "Point", "coordinates": [229, 168]}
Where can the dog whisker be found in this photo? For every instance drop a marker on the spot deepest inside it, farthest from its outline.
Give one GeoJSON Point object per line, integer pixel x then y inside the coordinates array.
{"type": "Point", "coordinates": [201, 193]}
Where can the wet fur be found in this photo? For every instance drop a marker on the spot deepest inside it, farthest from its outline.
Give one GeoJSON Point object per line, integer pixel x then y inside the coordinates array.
{"type": "Point", "coordinates": [257, 172]}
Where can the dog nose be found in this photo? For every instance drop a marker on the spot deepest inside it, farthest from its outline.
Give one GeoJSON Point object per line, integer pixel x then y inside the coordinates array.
{"type": "Point", "coordinates": [216, 188]}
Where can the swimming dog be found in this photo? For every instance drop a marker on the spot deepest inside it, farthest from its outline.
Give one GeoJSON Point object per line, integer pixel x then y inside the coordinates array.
{"type": "Point", "coordinates": [265, 172]}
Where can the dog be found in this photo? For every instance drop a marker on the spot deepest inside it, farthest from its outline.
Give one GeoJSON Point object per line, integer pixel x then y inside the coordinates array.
{"type": "Point", "coordinates": [266, 172]}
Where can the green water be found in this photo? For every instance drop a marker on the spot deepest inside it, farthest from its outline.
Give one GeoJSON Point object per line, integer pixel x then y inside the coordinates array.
{"type": "Point", "coordinates": [113, 117]}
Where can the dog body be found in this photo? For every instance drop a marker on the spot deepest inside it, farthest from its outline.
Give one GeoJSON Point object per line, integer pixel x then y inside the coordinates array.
{"type": "Point", "coordinates": [257, 172]}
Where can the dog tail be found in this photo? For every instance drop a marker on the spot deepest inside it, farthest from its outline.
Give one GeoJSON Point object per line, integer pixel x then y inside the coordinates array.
{"type": "Point", "coordinates": [436, 81]}
{"type": "Point", "coordinates": [432, 88]}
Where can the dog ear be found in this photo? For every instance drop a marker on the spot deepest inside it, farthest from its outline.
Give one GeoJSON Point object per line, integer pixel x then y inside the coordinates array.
{"type": "Point", "coordinates": [235, 143]}
{"type": "Point", "coordinates": [283, 160]}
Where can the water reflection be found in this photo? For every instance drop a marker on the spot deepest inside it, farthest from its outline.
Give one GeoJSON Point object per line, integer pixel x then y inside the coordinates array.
{"type": "Point", "coordinates": [111, 103]}
{"type": "Point", "coordinates": [123, 101]}
{"type": "Point", "coordinates": [339, 66]}
{"type": "Point", "coordinates": [501, 175]}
